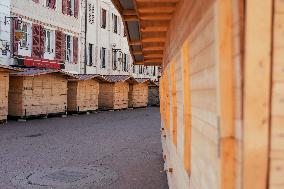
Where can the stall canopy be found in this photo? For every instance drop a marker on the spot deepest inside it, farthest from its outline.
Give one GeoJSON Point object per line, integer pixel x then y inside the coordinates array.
{"type": "Point", "coordinates": [146, 23]}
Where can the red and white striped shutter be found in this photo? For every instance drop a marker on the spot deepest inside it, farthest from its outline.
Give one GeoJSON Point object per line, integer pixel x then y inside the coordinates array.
{"type": "Point", "coordinates": [53, 3]}
{"type": "Point", "coordinates": [58, 45]}
{"type": "Point", "coordinates": [64, 6]}
{"type": "Point", "coordinates": [42, 39]}
{"type": "Point", "coordinates": [76, 8]}
{"type": "Point", "coordinates": [36, 49]}
{"type": "Point", "coordinates": [75, 50]}
{"type": "Point", "coordinates": [16, 26]}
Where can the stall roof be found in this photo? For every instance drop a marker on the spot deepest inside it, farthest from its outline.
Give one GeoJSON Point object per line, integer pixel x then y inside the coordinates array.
{"type": "Point", "coordinates": [142, 80]}
{"type": "Point", "coordinates": [8, 68]}
{"type": "Point", "coordinates": [84, 77]}
{"type": "Point", "coordinates": [146, 23]}
{"type": "Point", "coordinates": [116, 78]}
{"type": "Point", "coordinates": [36, 71]}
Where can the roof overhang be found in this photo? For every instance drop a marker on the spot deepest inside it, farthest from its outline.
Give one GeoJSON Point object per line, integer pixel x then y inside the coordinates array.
{"type": "Point", "coordinates": [146, 23]}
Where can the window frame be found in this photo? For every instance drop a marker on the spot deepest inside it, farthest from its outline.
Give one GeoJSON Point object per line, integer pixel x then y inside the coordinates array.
{"type": "Point", "coordinates": [103, 57]}
{"type": "Point", "coordinates": [68, 51]}
{"type": "Point", "coordinates": [103, 18]}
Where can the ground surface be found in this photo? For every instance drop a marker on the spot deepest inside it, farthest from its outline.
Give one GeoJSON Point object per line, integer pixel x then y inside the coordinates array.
{"type": "Point", "coordinates": [109, 150]}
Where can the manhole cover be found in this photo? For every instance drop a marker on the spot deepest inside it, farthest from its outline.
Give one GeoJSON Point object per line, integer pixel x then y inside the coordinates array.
{"type": "Point", "coordinates": [71, 177]}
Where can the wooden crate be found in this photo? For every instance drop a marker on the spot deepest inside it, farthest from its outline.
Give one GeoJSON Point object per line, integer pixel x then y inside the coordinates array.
{"type": "Point", "coordinates": [33, 94]}
{"type": "Point", "coordinates": [113, 95]}
{"type": "Point", "coordinates": [138, 94]}
{"type": "Point", "coordinates": [82, 95]}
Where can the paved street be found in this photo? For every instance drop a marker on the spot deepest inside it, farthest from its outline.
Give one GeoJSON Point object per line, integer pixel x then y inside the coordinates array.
{"type": "Point", "coordinates": [108, 150]}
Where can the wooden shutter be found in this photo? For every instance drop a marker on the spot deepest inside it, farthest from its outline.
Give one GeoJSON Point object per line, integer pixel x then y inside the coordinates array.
{"type": "Point", "coordinates": [59, 45]}
{"type": "Point", "coordinates": [64, 6]}
{"type": "Point", "coordinates": [42, 39]}
{"type": "Point", "coordinates": [52, 4]}
{"type": "Point", "coordinates": [16, 26]}
{"type": "Point", "coordinates": [37, 40]}
{"type": "Point", "coordinates": [75, 50]}
{"type": "Point", "coordinates": [76, 8]}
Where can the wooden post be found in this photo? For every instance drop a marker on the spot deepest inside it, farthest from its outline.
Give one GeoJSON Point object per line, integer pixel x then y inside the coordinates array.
{"type": "Point", "coordinates": [186, 106]}
{"type": "Point", "coordinates": [258, 36]}
{"type": "Point", "coordinates": [225, 74]}
{"type": "Point", "coordinates": [174, 101]}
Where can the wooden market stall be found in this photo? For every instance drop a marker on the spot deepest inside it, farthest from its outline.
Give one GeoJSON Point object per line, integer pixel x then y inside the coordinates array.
{"type": "Point", "coordinates": [4, 89]}
{"type": "Point", "coordinates": [153, 99]}
{"type": "Point", "coordinates": [138, 93]}
{"type": "Point", "coordinates": [83, 93]}
{"type": "Point", "coordinates": [221, 89]}
{"type": "Point", "coordinates": [114, 92]}
{"type": "Point", "coordinates": [38, 92]}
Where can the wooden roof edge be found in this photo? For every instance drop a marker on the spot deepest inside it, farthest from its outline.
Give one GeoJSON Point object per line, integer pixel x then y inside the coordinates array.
{"type": "Point", "coordinates": [9, 68]}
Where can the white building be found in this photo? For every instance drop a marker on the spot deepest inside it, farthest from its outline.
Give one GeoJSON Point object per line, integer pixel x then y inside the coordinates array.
{"type": "Point", "coordinates": [51, 31]}
{"type": "Point", "coordinates": [5, 28]}
{"type": "Point", "coordinates": [107, 47]}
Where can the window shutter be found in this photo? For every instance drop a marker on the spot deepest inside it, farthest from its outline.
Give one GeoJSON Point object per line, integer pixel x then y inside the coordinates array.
{"type": "Point", "coordinates": [75, 50]}
{"type": "Point", "coordinates": [42, 39]}
{"type": "Point", "coordinates": [36, 48]}
{"type": "Point", "coordinates": [76, 8]}
{"type": "Point", "coordinates": [53, 3]}
{"type": "Point", "coordinates": [59, 45]}
{"type": "Point", "coordinates": [64, 6]}
{"type": "Point", "coordinates": [16, 26]}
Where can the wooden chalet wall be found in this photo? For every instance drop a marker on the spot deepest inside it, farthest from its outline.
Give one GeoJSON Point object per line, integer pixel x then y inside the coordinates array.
{"type": "Point", "coordinates": [276, 172]}
{"type": "Point", "coordinates": [83, 95]}
{"type": "Point", "coordinates": [4, 88]}
{"type": "Point", "coordinates": [37, 95]}
{"type": "Point", "coordinates": [153, 95]}
{"type": "Point", "coordinates": [113, 95]}
{"type": "Point", "coordinates": [201, 90]}
{"type": "Point", "coordinates": [139, 95]}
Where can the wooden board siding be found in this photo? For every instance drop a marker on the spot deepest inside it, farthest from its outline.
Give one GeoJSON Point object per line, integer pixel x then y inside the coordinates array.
{"type": "Point", "coordinates": [41, 94]}
{"type": "Point", "coordinates": [83, 95]}
{"type": "Point", "coordinates": [200, 161]}
{"type": "Point", "coordinates": [153, 96]}
{"type": "Point", "coordinates": [139, 95]}
{"type": "Point", "coordinates": [276, 172]}
{"type": "Point", "coordinates": [4, 88]}
{"type": "Point", "coordinates": [113, 95]}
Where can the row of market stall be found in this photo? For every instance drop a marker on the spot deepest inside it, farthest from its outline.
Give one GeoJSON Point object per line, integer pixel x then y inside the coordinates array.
{"type": "Point", "coordinates": [34, 92]}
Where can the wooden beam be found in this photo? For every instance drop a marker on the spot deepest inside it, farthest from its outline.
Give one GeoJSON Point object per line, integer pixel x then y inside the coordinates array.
{"type": "Point", "coordinates": [153, 40]}
{"type": "Point", "coordinates": [257, 86]}
{"type": "Point", "coordinates": [156, 17]}
{"type": "Point", "coordinates": [157, 9]}
{"type": "Point", "coordinates": [154, 29]}
{"type": "Point", "coordinates": [226, 99]}
{"type": "Point", "coordinates": [153, 48]}
{"type": "Point", "coordinates": [153, 60]}
{"type": "Point", "coordinates": [135, 43]}
{"type": "Point", "coordinates": [130, 18]}
{"type": "Point", "coordinates": [154, 56]}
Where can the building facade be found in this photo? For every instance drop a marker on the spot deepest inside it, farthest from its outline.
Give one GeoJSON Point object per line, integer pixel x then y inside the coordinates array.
{"type": "Point", "coordinates": [51, 31]}
{"type": "Point", "coordinates": [5, 29]}
{"type": "Point", "coordinates": [79, 36]}
{"type": "Point", "coordinates": [106, 49]}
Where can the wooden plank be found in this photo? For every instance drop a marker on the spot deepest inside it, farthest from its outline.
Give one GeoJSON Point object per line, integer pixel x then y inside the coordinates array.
{"type": "Point", "coordinates": [186, 106]}
{"type": "Point", "coordinates": [225, 70]}
{"type": "Point", "coordinates": [257, 99]}
{"type": "Point", "coordinates": [174, 102]}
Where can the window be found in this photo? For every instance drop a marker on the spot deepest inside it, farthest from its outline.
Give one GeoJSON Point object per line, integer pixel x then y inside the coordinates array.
{"type": "Point", "coordinates": [134, 68]}
{"type": "Point", "coordinates": [103, 19]}
{"type": "Point", "coordinates": [140, 69]}
{"type": "Point", "coordinates": [154, 71]}
{"type": "Point", "coordinates": [114, 18]}
{"type": "Point", "coordinates": [103, 57]}
{"type": "Point", "coordinates": [68, 49]}
{"type": "Point", "coordinates": [91, 54]}
{"type": "Point", "coordinates": [24, 40]}
{"type": "Point", "coordinates": [114, 59]}
{"type": "Point", "coordinates": [51, 3]}
{"type": "Point", "coordinates": [47, 41]}
{"type": "Point", "coordinates": [125, 62]}
{"type": "Point", "coordinates": [91, 14]}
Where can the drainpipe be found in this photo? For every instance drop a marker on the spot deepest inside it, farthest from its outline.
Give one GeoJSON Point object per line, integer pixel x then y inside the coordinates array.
{"type": "Point", "coordinates": [86, 27]}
